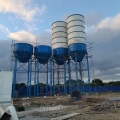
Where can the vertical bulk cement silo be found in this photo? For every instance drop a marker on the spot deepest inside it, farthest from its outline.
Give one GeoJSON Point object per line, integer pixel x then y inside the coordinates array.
{"type": "Point", "coordinates": [42, 53]}
{"type": "Point", "coordinates": [76, 39]}
{"type": "Point", "coordinates": [59, 41]}
{"type": "Point", "coordinates": [23, 53]}
{"type": "Point", "coordinates": [60, 47]}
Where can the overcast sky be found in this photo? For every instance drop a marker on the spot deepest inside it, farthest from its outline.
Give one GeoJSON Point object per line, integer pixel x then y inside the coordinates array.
{"type": "Point", "coordinates": [28, 20]}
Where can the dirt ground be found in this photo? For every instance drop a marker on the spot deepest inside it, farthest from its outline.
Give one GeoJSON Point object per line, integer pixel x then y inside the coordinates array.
{"type": "Point", "coordinates": [91, 107]}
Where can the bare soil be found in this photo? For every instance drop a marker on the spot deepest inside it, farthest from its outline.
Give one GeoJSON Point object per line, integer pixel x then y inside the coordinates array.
{"type": "Point", "coordinates": [90, 107]}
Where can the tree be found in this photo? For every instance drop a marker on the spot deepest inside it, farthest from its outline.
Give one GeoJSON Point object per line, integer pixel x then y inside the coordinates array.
{"type": "Point", "coordinates": [41, 84]}
{"type": "Point", "coordinates": [114, 83]}
{"type": "Point", "coordinates": [22, 85]}
{"type": "Point", "coordinates": [73, 82]}
{"type": "Point", "coordinates": [97, 82]}
{"type": "Point", "coordinates": [58, 85]}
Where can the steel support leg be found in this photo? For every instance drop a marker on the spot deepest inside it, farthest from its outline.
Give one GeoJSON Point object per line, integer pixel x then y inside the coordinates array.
{"type": "Point", "coordinates": [37, 92]}
{"type": "Point", "coordinates": [65, 90]}
{"type": "Point", "coordinates": [76, 70]}
{"type": "Point", "coordinates": [30, 77]}
{"type": "Point", "coordinates": [47, 81]}
{"type": "Point", "coordinates": [35, 78]}
{"type": "Point", "coordinates": [81, 81]}
{"type": "Point", "coordinates": [53, 80]}
{"type": "Point", "coordinates": [69, 71]}
{"type": "Point", "coordinates": [88, 74]}
{"type": "Point", "coordinates": [51, 76]}
{"type": "Point", "coordinates": [14, 78]}
{"type": "Point", "coordinates": [58, 80]}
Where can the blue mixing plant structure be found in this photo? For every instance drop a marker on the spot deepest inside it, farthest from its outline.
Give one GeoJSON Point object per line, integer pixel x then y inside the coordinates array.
{"type": "Point", "coordinates": [42, 55]}
{"type": "Point", "coordinates": [65, 61]}
{"type": "Point", "coordinates": [23, 54]}
{"type": "Point", "coordinates": [60, 49]}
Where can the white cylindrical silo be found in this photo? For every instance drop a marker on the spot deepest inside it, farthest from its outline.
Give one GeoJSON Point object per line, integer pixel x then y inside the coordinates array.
{"type": "Point", "coordinates": [59, 41]}
{"type": "Point", "coordinates": [76, 36]}
{"type": "Point", "coordinates": [76, 29]}
{"type": "Point", "coordinates": [59, 34]}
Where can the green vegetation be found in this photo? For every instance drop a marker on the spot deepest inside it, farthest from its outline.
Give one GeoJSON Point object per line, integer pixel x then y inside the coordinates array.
{"type": "Point", "coordinates": [95, 82]}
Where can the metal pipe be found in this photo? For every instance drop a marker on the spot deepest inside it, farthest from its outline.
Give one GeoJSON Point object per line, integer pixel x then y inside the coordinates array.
{"type": "Point", "coordinates": [81, 81]}
{"type": "Point", "coordinates": [58, 79]}
{"type": "Point", "coordinates": [65, 90]}
{"type": "Point", "coordinates": [69, 71]}
{"type": "Point", "coordinates": [14, 78]}
{"type": "Point", "coordinates": [47, 81]}
{"type": "Point", "coordinates": [76, 70]}
{"type": "Point", "coordinates": [35, 79]}
{"type": "Point", "coordinates": [30, 77]}
{"type": "Point", "coordinates": [88, 74]}
{"type": "Point", "coordinates": [51, 76]}
{"type": "Point", "coordinates": [37, 92]}
{"type": "Point", "coordinates": [53, 80]}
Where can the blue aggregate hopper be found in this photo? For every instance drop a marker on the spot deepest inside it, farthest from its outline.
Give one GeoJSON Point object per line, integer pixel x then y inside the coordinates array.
{"type": "Point", "coordinates": [78, 49]}
{"type": "Point", "coordinates": [23, 52]}
{"type": "Point", "coordinates": [60, 55]}
{"type": "Point", "coordinates": [43, 53]}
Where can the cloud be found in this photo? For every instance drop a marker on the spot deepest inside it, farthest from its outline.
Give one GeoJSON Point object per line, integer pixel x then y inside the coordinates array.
{"type": "Point", "coordinates": [22, 36]}
{"type": "Point", "coordinates": [49, 31]}
{"type": "Point", "coordinates": [25, 36]}
{"type": "Point", "coordinates": [24, 9]}
{"type": "Point", "coordinates": [107, 29]}
{"type": "Point", "coordinates": [110, 22]}
{"type": "Point", "coordinates": [5, 54]}
{"type": "Point", "coordinates": [45, 38]}
{"type": "Point", "coordinates": [4, 29]}
{"type": "Point", "coordinates": [106, 53]}
{"type": "Point", "coordinates": [93, 18]}
{"type": "Point", "coordinates": [31, 27]}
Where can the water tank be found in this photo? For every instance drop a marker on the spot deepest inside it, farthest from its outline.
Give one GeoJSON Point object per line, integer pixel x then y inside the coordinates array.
{"type": "Point", "coordinates": [23, 52]}
{"type": "Point", "coordinates": [59, 41]}
{"type": "Point", "coordinates": [42, 53]}
{"type": "Point", "coordinates": [76, 36]}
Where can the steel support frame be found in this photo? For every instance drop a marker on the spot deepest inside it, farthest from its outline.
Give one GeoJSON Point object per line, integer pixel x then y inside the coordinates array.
{"type": "Point", "coordinates": [29, 78]}
{"type": "Point", "coordinates": [29, 75]}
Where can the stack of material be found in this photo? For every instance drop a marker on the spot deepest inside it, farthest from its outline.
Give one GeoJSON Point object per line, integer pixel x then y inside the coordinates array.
{"type": "Point", "coordinates": [110, 104]}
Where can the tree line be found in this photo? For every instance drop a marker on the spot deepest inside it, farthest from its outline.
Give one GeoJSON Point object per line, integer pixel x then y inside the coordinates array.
{"type": "Point", "coordinates": [95, 82]}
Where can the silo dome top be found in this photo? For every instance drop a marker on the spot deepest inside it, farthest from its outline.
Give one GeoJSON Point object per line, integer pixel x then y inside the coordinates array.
{"type": "Point", "coordinates": [59, 24]}
{"type": "Point", "coordinates": [75, 17]}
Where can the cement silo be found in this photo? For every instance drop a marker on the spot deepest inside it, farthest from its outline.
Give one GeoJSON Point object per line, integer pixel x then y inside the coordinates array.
{"type": "Point", "coordinates": [59, 41]}
{"type": "Point", "coordinates": [42, 55]}
{"type": "Point", "coordinates": [76, 40]}
{"type": "Point", "coordinates": [76, 36]}
{"type": "Point", "coordinates": [60, 49]}
{"type": "Point", "coordinates": [23, 53]}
